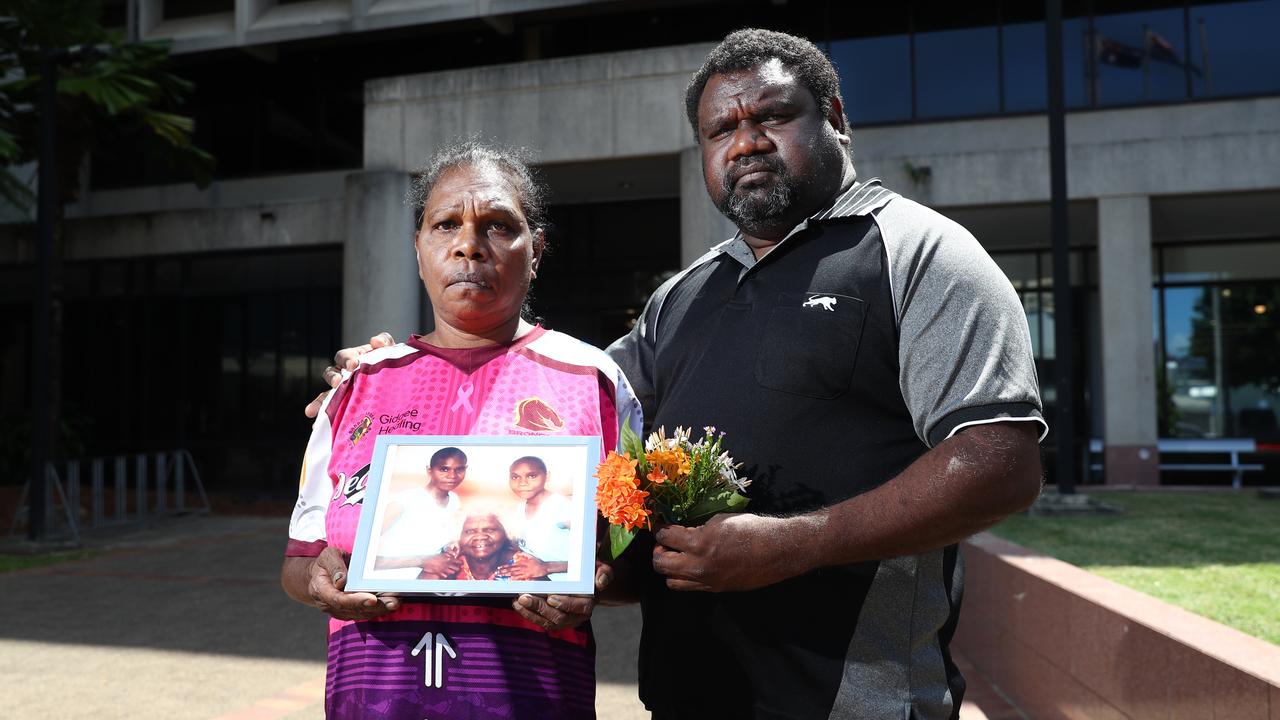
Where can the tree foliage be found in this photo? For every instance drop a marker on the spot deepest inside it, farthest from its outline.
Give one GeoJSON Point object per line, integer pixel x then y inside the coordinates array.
{"type": "Point", "coordinates": [105, 85]}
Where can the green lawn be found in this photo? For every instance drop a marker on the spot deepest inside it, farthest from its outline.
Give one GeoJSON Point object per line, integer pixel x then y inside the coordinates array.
{"type": "Point", "coordinates": [1215, 554]}
{"type": "Point", "coordinates": [9, 563]}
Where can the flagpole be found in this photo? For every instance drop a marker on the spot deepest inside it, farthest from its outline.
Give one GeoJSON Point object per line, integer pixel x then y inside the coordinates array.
{"type": "Point", "coordinates": [1204, 58]}
{"type": "Point", "coordinates": [1146, 62]}
{"type": "Point", "coordinates": [1186, 51]}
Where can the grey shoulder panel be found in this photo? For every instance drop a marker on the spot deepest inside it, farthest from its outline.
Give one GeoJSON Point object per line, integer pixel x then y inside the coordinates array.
{"type": "Point", "coordinates": [963, 336]}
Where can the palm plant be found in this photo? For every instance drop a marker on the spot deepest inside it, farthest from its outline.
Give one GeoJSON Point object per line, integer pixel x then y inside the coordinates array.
{"type": "Point", "coordinates": [105, 85]}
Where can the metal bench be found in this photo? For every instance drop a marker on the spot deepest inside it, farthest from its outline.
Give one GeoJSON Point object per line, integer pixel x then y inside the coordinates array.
{"type": "Point", "coordinates": [1231, 447]}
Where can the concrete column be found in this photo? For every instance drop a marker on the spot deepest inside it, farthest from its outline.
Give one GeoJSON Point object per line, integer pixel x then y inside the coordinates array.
{"type": "Point", "coordinates": [247, 12]}
{"type": "Point", "coordinates": [380, 285]}
{"type": "Point", "coordinates": [1128, 346]}
{"type": "Point", "coordinates": [701, 224]}
{"type": "Point", "coordinates": [148, 14]}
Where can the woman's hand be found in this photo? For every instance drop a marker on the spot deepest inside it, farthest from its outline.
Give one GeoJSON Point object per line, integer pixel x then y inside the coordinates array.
{"type": "Point", "coordinates": [328, 577]}
{"type": "Point", "coordinates": [557, 612]}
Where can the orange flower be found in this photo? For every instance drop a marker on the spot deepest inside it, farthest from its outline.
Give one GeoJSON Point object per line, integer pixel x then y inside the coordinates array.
{"type": "Point", "coordinates": [656, 476]}
{"type": "Point", "coordinates": [671, 463]}
{"type": "Point", "coordinates": [618, 495]}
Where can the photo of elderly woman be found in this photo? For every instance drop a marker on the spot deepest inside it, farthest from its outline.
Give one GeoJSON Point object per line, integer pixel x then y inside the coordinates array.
{"type": "Point", "coordinates": [486, 552]}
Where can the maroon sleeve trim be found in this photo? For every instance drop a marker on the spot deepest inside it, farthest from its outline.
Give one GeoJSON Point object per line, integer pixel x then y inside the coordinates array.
{"type": "Point", "coordinates": [301, 548]}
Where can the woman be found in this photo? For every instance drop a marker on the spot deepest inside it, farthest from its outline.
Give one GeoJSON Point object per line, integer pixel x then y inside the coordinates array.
{"type": "Point", "coordinates": [483, 370]}
{"type": "Point", "coordinates": [542, 522]}
{"type": "Point", "coordinates": [486, 552]}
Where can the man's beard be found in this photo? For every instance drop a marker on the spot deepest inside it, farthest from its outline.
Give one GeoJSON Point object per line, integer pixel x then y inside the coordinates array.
{"type": "Point", "coordinates": [754, 207]}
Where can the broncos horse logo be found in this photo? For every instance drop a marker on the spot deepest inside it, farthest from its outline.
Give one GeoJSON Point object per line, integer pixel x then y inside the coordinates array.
{"type": "Point", "coordinates": [826, 302]}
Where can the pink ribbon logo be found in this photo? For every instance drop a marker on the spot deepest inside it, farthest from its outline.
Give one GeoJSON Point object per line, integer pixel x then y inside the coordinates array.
{"type": "Point", "coordinates": [464, 398]}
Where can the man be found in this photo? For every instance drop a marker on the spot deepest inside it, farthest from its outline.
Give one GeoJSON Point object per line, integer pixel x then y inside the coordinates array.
{"type": "Point", "coordinates": [872, 367]}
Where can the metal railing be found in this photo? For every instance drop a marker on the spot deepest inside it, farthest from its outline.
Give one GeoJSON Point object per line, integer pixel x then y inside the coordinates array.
{"type": "Point", "coordinates": [158, 483]}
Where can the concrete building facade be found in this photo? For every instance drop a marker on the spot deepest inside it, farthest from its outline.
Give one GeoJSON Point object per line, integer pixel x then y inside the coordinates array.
{"type": "Point", "coordinates": [1174, 204]}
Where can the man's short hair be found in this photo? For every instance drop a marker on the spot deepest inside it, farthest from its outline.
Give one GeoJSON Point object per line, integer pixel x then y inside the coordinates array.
{"type": "Point", "coordinates": [752, 47]}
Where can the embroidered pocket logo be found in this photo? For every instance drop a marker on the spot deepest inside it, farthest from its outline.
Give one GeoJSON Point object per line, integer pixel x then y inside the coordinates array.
{"type": "Point", "coordinates": [826, 302]}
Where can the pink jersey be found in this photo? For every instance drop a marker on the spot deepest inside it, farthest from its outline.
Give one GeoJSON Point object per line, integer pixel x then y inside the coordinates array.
{"type": "Point", "coordinates": [498, 665]}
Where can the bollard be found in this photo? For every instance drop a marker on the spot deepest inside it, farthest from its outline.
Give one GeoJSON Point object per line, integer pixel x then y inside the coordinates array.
{"type": "Point", "coordinates": [96, 501]}
{"type": "Point", "coordinates": [122, 490]}
{"type": "Point", "coordinates": [140, 473]}
{"type": "Point", "coordinates": [162, 480]}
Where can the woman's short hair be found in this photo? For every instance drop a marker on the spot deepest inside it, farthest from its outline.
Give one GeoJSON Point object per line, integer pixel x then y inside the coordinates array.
{"type": "Point", "coordinates": [473, 152]}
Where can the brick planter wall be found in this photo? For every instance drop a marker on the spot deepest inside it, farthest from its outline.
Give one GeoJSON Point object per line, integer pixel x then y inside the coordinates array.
{"type": "Point", "coordinates": [1064, 643]}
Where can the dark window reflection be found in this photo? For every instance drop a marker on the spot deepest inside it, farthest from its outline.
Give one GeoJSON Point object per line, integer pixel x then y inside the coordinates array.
{"type": "Point", "coordinates": [1140, 57]}
{"type": "Point", "coordinates": [875, 76]}
{"type": "Point", "coordinates": [1235, 49]}
{"type": "Point", "coordinates": [956, 73]}
{"type": "Point", "coordinates": [1024, 67]}
{"type": "Point", "coordinates": [1077, 62]}
{"type": "Point", "coordinates": [965, 60]}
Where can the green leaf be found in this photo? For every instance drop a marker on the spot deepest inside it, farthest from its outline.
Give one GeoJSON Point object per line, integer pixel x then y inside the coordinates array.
{"type": "Point", "coordinates": [724, 501]}
{"type": "Point", "coordinates": [619, 539]}
{"type": "Point", "coordinates": [631, 442]}
{"type": "Point", "coordinates": [634, 446]}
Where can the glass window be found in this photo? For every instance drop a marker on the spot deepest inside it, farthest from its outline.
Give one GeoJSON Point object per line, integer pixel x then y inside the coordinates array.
{"type": "Point", "coordinates": [1139, 57]}
{"type": "Point", "coordinates": [1222, 360]}
{"type": "Point", "coordinates": [1020, 268]}
{"type": "Point", "coordinates": [956, 73]}
{"type": "Point", "coordinates": [1076, 62]}
{"type": "Point", "coordinates": [1221, 261]}
{"type": "Point", "coordinates": [1024, 67]}
{"type": "Point", "coordinates": [174, 9]}
{"type": "Point", "coordinates": [1234, 49]}
{"type": "Point", "coordinates": [875, 78]}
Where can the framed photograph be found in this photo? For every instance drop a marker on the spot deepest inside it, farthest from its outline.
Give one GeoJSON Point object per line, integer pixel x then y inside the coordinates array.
{"type": "Point", "coordinates": [478, 515]}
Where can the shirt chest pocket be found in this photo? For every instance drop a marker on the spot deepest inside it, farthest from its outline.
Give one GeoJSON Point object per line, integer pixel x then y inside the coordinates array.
{"type": "Point", "coordinates": [810, 344]}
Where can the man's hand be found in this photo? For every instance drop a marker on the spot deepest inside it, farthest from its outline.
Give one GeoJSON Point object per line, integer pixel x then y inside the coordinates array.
{"type": "Point", "coordinates": [439, 567]}
{"type": "Point", "coordinates": [733, 551]}
{"type": "Point", "coordinates": [346, 359]}
{"type": "Point", "coordinates": [329, 577]}
{"type": "Point", "coordinates": [557, 612]}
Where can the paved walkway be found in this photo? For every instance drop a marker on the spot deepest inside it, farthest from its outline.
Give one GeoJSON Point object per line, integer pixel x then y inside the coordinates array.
{"type": "Point", "coordinates": [187, 620]}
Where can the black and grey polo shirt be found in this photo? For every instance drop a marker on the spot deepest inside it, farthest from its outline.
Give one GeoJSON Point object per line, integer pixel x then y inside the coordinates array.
{"type": "Point", "coordinates": [874, 331]}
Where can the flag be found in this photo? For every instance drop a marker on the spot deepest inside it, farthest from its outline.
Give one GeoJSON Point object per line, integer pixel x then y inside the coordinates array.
{"type": "Point", "coordinates": [1118, 54]}
{"type": "Point", "coordinates": [1161, 50]}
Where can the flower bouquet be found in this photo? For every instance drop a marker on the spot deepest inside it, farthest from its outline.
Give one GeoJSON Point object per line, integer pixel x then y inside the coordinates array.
{"type": "Point", "coordinates": [681, 481]}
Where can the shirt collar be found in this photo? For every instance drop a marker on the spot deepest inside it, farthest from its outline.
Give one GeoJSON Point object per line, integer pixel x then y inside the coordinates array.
{"type": "Point", "coordinates": [860, 198]}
